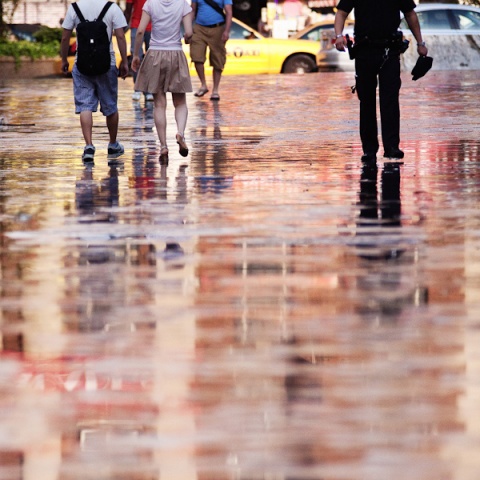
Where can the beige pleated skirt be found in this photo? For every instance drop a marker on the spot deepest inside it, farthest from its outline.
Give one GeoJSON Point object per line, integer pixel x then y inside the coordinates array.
{"type": "Point", "coordinates": [164, 71]}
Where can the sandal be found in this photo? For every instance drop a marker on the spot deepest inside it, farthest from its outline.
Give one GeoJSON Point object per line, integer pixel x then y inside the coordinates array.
{"type": "Point", "coordinates": [201, 92]}
{"type": "Point", "coordinates": [163, 155]}
{"type": "Point", "coordinates": [182, 146]}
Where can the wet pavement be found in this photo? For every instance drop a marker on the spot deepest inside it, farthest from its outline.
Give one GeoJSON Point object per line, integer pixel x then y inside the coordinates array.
{"type": "Point", "coordinates": [265, 309]}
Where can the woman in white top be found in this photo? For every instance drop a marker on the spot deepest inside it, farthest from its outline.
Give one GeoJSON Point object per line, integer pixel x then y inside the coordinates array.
{"type": "Point", "coordinates": [164, 67]}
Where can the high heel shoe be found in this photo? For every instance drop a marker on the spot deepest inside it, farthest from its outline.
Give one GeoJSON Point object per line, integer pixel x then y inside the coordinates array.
{"type": "Point", "coordinates": [163, 155]}
{"type": "Point", "coordinates": [182, 146]}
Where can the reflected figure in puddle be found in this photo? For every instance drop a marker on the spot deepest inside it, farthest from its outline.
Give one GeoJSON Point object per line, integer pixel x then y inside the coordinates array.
{"type": "Point", "coordinates": [98, 289]}
{"type": "Point", "coordinates": [91, 196]}
{"type": "Point", "coordinates": [382, 243]}
{"type": "Point", "coordinates": [144, 159]}
{"type": "Point", "coordinates": [145, 173]}
{"type": "Point", "coordinates": [211, 158]}
{"type": "Point", "coordinates": [383, 214]}
{"type": "Point", "coordinates": [143, 119]}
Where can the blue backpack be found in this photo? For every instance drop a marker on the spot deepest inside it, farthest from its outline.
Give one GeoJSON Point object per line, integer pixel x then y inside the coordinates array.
{"type": "Point", "coordinates": [93, 44]}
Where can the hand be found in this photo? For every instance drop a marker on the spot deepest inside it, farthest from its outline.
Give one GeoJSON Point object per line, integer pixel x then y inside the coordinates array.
{"type": "Point", "coordinates": [225, 36]}
{"type": "Point", "coordinates": [135, 63]}
{"type": "Point", "coordinates": [340, 44]}
{"type": "Point", "coordinates": [422, 50]}
{"type": "Point", "coordinates": [65, 66]}
{"type": "Point", "coordinates": [187, 38]}
{"type": "Point", "coordinates": [124, 70]}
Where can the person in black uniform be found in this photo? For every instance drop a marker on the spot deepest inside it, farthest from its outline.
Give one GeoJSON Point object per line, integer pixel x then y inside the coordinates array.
{"type": "Point", "coordinates": [377, 56]}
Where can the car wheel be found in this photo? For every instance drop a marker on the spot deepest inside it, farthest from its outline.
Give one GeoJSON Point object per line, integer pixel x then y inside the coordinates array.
{"type": "Point", "coordinates": [300, 63]}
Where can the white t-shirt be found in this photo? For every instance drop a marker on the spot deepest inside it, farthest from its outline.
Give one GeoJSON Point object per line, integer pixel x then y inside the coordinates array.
{"type": "Point", "coordinates": [166, 18]}
{"type": "Point", "coordinates": [91, 9]}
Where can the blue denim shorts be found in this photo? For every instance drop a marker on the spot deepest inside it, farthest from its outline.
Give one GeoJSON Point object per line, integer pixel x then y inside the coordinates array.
{"type": "Point", "coordinates": [90, 91]}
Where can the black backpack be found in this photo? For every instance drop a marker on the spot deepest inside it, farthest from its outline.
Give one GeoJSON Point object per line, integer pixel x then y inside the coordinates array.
{"type": "Point", "coordinates": [93, 44]}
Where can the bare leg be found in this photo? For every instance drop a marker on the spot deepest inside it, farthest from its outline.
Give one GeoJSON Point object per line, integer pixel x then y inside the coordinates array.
{"type": "Point", "coordinates": [217, 75]}
{"type": "Point", "coordinates": [160, 117]}
{"type": "Point", "coordinates": [112, 125]}
{"type": "Point", "coordinates": [86, 122]}
{"type": "Point", "coordinates": [181, 115]}
{"type": "Point", "coordinates": [181, 111]}
{"type": "Point", "coordinates": [200, 68]}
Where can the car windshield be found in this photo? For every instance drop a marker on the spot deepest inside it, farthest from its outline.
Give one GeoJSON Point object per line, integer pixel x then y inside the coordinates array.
{"type": "Point", "coordinates": [237, 32]}
{"type": "Point", "coordinates": [315, 34]}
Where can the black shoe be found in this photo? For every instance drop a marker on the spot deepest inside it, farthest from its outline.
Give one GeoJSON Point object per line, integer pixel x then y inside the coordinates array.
{"type": "Point", "coordinates": [395, 153]}
{"type": "Point", "coordinates": [369, 157]}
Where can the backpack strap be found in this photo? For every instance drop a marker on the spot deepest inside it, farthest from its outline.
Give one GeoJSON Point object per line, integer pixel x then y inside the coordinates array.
{"type": "Point", "coordinates": [78, 12]}
{"type": "Point", "coordinates": [104, 11]}
{"type": "Point", "coordinates": [216, 7]}
{"type": "Point", "coordinates": [100, 17]}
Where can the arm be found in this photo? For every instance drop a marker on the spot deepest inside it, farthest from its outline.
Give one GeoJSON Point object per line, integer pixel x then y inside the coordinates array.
{"type": "Point", "coordinates": [194, 10]}
{"type": "Point", "coordinates": [414, 25]}
{"type": "Point", "coordinates": [339, 24]}
{"type": "Point", "coordinates": [128, 12]}
{"type": "Point", "coordinates": [122, 47]}
{"type": "Point", "coordinates": [187, 27]}
{"type": "Point", "coordinates": [64, 46]}
{"type": "Point", "coordinates": [139, 40]}
{"type": "Point", "coordinates": [228, 22]}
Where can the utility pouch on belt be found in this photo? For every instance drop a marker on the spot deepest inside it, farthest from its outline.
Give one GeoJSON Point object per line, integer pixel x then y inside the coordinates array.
{"type": "Point", "coordinates": [395, 43]}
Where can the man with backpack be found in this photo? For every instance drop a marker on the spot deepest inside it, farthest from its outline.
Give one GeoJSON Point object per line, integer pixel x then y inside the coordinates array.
{"type": "Point", "coordinates": [95, 75]}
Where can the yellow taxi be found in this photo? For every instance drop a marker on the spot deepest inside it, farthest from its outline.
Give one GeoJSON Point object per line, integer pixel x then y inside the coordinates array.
{"type": "Point", "coordinates": [249, 52]}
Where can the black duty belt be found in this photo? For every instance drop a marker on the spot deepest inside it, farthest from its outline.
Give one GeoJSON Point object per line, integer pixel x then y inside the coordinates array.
{"type": "Point", "coordinates": [214, 25]}
{"type": "Point", "coordinates": [393, 40]}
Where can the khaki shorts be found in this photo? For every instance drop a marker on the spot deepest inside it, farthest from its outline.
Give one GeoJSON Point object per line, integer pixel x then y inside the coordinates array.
{"type": "Point", "coordinates": [204, 37]}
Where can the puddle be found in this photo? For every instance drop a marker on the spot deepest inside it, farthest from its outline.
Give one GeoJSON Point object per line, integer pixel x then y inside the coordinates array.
{"type": "Point", "coordinates": [266, 308]}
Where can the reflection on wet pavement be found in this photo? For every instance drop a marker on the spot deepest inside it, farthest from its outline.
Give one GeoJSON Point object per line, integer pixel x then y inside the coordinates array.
{"type": "Point", "coordinates": [267, 308]}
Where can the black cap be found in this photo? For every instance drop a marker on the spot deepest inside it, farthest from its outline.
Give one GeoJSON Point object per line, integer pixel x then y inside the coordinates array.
{"type": "Point", "coordinates": [423, 65]}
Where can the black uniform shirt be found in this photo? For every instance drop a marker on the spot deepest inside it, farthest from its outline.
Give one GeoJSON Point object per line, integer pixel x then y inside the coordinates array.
{"type": "Point", "coordinates": [376, 18]}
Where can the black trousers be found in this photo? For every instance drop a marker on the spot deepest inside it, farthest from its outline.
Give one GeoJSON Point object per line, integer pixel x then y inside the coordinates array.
{"type": "Point", "coordinates": [371, 70]}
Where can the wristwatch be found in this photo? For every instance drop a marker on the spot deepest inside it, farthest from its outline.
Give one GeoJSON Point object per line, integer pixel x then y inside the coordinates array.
{"type": "Point", "coordinates": [421, 44]}
{"type": "Point", "coordinates": [340, 35]}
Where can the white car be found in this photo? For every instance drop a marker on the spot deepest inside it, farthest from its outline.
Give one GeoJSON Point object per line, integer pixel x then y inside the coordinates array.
{"type": "Point", "coordinates": [451, 31]}
{"type": "Point", "coordinates": [452, 35]}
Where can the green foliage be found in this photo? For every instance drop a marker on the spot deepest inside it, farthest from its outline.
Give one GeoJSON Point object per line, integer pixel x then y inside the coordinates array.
{"type": "Point", "coordinates": [48, 35]}
{"type": "Point", "coordinates": [32, 50]}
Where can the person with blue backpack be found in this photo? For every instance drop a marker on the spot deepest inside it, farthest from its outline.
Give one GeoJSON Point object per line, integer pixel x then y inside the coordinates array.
{"type": "Point", "coordinates": [95, 75]}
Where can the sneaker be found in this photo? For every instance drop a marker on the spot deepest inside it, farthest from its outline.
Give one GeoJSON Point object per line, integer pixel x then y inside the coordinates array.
{"type": "Point", "coordinates": [136, 96]}
{"type": "Point", "coordinates": [88, 153]}
{"type": "Point", "coordinates": [149, 97]}
{"type": "Point", "coordinates": [395, 153]}
{"type": "Point", "coordinates": [115, 150]}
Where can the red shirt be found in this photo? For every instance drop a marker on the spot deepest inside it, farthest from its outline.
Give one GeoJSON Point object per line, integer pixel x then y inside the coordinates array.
{"type": "Point", "coordinates": [137, 6]}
